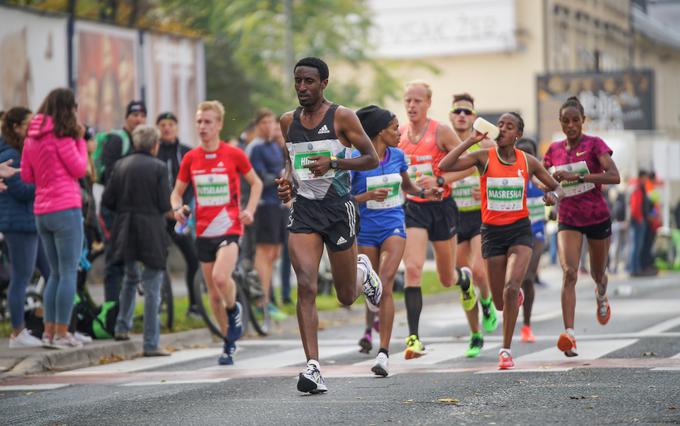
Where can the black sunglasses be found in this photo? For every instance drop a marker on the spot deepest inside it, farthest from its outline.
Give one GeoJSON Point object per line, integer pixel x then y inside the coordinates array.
{"type": "Point", "coordinates": [465, 111]}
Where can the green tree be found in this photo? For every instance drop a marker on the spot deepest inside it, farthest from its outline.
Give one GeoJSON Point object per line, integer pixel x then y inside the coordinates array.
{"type": "Point", "coordinates": [245, 42]}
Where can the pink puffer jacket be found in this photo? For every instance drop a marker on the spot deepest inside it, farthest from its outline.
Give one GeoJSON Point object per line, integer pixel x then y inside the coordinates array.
{"type": "Point", "coordinates": [54, 165]}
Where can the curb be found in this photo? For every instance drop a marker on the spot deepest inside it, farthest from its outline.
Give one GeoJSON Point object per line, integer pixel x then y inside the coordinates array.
{"type": "Point", "coordinates": [100, 352]}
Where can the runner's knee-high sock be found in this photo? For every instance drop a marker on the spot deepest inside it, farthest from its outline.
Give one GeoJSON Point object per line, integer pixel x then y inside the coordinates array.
{"type": "Point", "coordinates": [413, 297]}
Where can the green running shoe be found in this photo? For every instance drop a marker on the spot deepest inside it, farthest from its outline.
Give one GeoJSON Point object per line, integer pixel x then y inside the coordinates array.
{"type": "Point", "coordinates": [468, 297]}
{"type": "Point", "coordinates": [414, 347]}
{"type": "Point", "coordinates": [476, 344]}
{"type": "Point", "coordinates": [489, 317]}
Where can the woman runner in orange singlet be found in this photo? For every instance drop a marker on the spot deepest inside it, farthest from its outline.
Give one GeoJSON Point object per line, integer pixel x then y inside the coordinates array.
{"type": "Point", "coordinates": [507, 239]}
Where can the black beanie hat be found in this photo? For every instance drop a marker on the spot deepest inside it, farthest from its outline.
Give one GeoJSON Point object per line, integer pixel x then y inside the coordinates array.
{"type": "Point", "coordinates": [374, 119]}
{"type": "Point", "coordinates": [135, 106]}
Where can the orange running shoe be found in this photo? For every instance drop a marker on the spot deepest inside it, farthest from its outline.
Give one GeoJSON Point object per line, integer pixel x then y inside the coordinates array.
{"type": "Point", "coordinates": [527, 334]}
{"type": "Point", "coordinates": [604, 311]}
{"type": "Point", "coordinates": [567, 344]}
{"type": "Point", "coordinates": [505, 361]}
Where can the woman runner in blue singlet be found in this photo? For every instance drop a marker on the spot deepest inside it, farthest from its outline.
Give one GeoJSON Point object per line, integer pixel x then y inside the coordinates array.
{"type": "Point", "coordinates": [382, 234]}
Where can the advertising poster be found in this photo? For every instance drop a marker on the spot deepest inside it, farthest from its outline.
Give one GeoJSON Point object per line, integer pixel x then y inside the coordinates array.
{"type": "Point", "coordinates": [612, 101]}
{"type": "Point", "coordinates": [106, 78]}
{"type": "Point", "coordinates": [33, 57]}
{"type": "Point", "coordinates": [175, 80]}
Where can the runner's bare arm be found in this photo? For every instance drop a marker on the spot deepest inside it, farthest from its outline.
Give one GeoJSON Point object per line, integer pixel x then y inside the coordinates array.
{"type": "Point", "coordinates": [611, 172]}
{"type": "Point", "coordinates": [456, 160]}
{"type": "Point", "coordinates": [247, 215]}
{"type": "Point", "coordinates": [409, 187]}
{"type": "Point", "coordinates": [285, 184]}
{"type": "Point", "coordinates": [549, 185]}
{"type": "Point", "coordinates": [447, 141]}
{"type": "Point", "coordinates": [350, 132]}
{"type": "Point", "coordinates": [176, 200]}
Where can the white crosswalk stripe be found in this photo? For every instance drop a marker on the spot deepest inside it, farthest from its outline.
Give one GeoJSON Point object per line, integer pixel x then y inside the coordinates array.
{"type": "Point", "coordinates": [587, 350]}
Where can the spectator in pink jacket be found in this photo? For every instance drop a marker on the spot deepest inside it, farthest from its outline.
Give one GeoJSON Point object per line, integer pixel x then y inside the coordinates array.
{"type": "Point", "coordinates": [54, 158]}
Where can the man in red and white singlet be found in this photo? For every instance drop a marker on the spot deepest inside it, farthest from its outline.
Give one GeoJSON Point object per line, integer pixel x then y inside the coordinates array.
{"type": "Point", "coordinates": [507, 238]}
{"type": "Point", "coordinates": [425, 142]}
{"type": "Point", "coordinates": [214, 169]}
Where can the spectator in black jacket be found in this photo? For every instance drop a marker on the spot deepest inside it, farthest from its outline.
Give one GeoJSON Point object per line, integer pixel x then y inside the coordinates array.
{"type": "Point", "coordinates": [171, 152]}
{"type": "Point", "coordinates": [116, 146]}
{"type": "Point", "coordinates": [139, 194]}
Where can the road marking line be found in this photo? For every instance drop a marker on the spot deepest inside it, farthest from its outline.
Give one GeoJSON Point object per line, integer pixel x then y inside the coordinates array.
{"type": "Point", "coordinates": [142, 363]}
{"type": "Point", "coordinates": [286, 358]}
{"type": "Point", "coordinates": [38, 387]}
{"type": "Point", "coordinates": [175, 382]}
{"type": "Point", "coordinates": [587, 350]}
{"type": "Point", "coordinates": [662, 326]}
{"type": "Point", "coordinates": [436, 353]}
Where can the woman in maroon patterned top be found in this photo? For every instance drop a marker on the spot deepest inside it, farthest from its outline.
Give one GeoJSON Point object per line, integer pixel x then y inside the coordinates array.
{"type": "Point", "coordinates": [582, 164]}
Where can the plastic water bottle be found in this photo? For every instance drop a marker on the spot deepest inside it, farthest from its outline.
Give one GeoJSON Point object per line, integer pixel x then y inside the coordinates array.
{"type": "Point", "coordinates": [183, 228]}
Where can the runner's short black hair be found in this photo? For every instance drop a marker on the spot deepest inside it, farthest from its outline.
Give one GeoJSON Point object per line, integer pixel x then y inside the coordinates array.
{"type": "Point", "coordinates": [313, 62]}
{"type": "Point", "coordinates": [573, 102]}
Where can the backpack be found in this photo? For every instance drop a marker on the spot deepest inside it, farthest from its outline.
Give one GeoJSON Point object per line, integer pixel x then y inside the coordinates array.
{"type": "Point", "coordinates": [99, 323]}
{"type": "Point", "coordinates": [101, 139]}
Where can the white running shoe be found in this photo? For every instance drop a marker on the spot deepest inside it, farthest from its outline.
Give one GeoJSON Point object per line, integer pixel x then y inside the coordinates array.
{"type": "Point", "coordinates": [311, 381]}
{"type": "Point", "coordinates": [82, 338]}
{"type": "Point", "coordinates": [66, 342]}
{"type": "Point", "coordinates": [372, 286]}
{"type": "Point", "coordinates": [381, 365]}
{"type": "Point", "coordinates": [24, 340]}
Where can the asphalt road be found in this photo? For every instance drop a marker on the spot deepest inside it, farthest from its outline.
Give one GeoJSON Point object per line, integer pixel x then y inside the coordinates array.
{"type": "Point", "coordinates": [626, 372]}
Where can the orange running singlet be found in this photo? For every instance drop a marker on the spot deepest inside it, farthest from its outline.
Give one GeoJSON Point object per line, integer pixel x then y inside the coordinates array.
{"type": "Point", "coordinates": [423, 157]}
{"type": "Point", "coordinates": [503, 185]}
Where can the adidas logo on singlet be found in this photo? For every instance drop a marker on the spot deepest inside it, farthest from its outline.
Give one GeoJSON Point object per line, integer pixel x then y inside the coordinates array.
{"type": "Point", "coordinates": [341, 240]}
{"type": "Point", "coordinates": [396, 230]}
{"type": "Point", "coordinates": [323, 130]}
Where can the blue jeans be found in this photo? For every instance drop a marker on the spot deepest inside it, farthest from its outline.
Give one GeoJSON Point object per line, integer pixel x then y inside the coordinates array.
{"type": "Point", "coordinates": [639, 230]}
{"type": "Point", "coordinates": [62, 235]}
{"type": "Point", "coordinates": [26, 253]}
{"type": "Point", "coordinates": [151, 282]}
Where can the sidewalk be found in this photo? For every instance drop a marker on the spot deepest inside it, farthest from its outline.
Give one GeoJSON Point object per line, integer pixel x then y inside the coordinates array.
{"type": "Point", "coordinates": [39, 360]}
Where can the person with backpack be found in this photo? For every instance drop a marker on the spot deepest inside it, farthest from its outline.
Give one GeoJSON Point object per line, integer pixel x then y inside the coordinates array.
{"type": "Point", "coordinates": [139, 194]}
{"type": "Point", "coordinates": [111, 147]}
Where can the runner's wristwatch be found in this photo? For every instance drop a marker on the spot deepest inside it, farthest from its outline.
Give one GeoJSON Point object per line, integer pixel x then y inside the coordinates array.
{"type": "Point", "coordinates": [334, 163]}
{"type": "Point", "coordinates": [440, 181]}
{"type": "Point", "coordinates": [581, 178]}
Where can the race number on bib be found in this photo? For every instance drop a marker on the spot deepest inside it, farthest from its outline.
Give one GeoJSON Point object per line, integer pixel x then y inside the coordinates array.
{"type": "Point", "coordinates": [504, 194]}
{"type": "Point", "coordinates": [392, 182]}
{"type": "Point", "coordinates": [212, 189]}
{"type": "Point", "coordinates": [574, 188]}
{"type": "Point", "coordinates": [300, 154]}
{"type": "Point", "coordinates": [462, 192]}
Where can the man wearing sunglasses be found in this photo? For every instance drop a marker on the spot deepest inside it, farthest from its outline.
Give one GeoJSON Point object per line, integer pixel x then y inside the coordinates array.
{"type": "Point", "coordinates": [466, 192]}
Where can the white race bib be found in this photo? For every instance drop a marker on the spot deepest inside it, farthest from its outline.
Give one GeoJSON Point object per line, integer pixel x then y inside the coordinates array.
{"type": "Point", "coordinates": [574, 188]}
{"type": "Point", "coordinates": [390, 181]}
{"type": "Point", "coordinates": [417, 170]}
{"type": "Point", "coordinates": [299, 157]}
{"type": "Point", "coordinates": [212, 189]}
{"type": "Point", "coordinates": [504, 194]}
{"type": "Point", "coordinates": [462, 192]}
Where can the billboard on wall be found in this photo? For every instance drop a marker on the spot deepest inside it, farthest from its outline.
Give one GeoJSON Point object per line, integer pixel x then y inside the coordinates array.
{"type": "Point", "coordinates": [175, 79]}
{"type": "Point", "coordinates": [33, 57]}
{"type": "Point", "coordinates": [408, 29]}
{"type": "Point", "coordinates": [106, 77]}
{"type": "Point", "coordinates": [622, 100]}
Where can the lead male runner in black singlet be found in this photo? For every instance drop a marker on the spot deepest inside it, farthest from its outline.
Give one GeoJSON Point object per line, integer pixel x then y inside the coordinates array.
{"type": "Point", "coordinates": [319, 140]}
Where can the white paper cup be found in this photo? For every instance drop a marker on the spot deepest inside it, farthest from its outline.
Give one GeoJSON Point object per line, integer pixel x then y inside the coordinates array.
{"type": "Point", "coordinates": [484, 126]}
